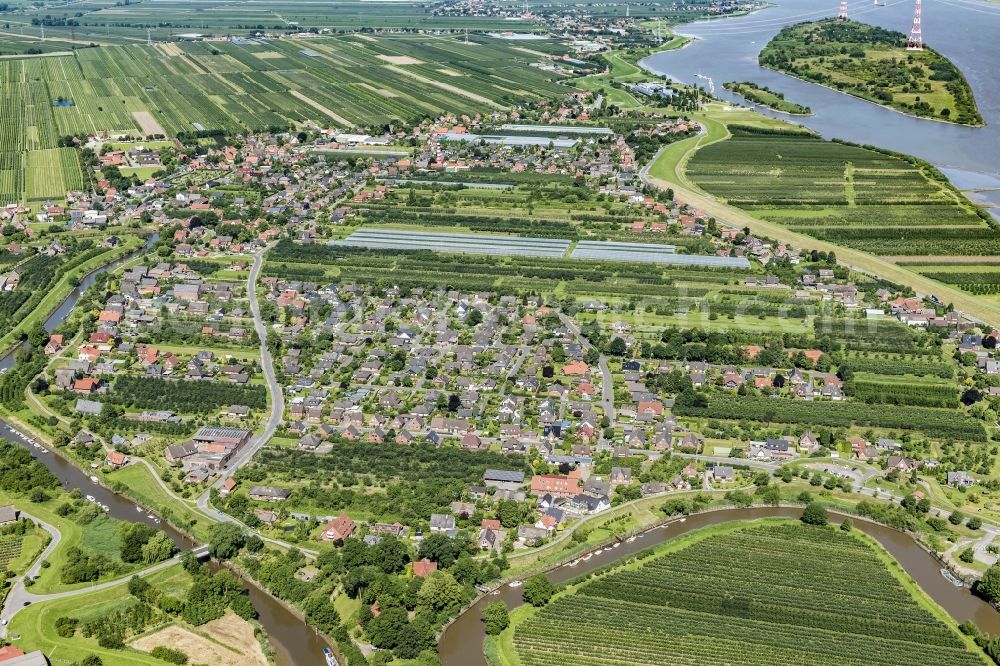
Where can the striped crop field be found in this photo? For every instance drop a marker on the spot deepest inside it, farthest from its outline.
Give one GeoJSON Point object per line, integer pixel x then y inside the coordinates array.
{"type": "Point", "coordinates": [855, 196]}
{"type": "Point", "coordinates": [245, 85]}
{"type": "Point", "coordinates": [775, 594]}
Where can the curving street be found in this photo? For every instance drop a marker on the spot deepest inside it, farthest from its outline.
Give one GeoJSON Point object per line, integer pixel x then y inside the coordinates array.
{"type": "Point", "coordinates": [243, 456]}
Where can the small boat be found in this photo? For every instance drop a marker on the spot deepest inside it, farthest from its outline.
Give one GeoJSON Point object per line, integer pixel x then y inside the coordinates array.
{"type": "Point", "coordinates": [574, 562]}
{"type": "Point", "coordinates": [94, 479]}
{"type": "Point", "coordinates": [682, 520]}
{"type": "Point", "coordinates": [641, 534]}
{"type": "Point", "coordinates": [630, 539]}
{"type": "Point", "coordinates": [105, 508]}
{"type": "Point", "coordinates": [616, 544]}
{"type": "Point", "coordinates": [328, 656]}
{"type": "Point", "coordinates": [586, 558]}
{"type": "Point", "coordinates": [156, 520]}
{"type": "Point", "coordinates": [90, 498]}
{"type": "Point", "coordinates": [139, 509]}
{"type": "Point", "coordinates": [150, 516]}
{"type": "Point", "coordinates": [952, 578]}
{"type": "Point", "coordinates": [515, 583]}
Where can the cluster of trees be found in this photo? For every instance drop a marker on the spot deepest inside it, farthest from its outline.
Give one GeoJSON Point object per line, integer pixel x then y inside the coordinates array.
{"type": "Point", "coordinates": [211, 595]}
{"type": "Point", "coordinates": [189, 397]}
{"type": "Point", "coordinates": [400, 613]}
{"type": "Point", "coordinates": [138, 543]}
{"type": "Point", "coordinates": [144, 544]}
{"type": "Point", "coordinates": [418, 480]}
{"type": "Point", "coordinates": [20, 473]}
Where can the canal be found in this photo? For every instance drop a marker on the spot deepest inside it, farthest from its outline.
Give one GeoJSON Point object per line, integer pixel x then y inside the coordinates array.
{"type": "Point", "coordinates": [462, 642]}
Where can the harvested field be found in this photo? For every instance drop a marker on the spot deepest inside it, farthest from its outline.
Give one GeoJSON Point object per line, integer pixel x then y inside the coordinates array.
{"type": "Point", "coordinates": [319, 107]}
{"type": "Point", "coordinates": [401, 60]}
{"type": "Point", "coordinates": [380, 91]}
{"type": "Point", "coordinates": [444, 86]}
{"type": "Point", "coordinates": [148, 123]}
{"type": "Point", "coordinates": [531, 51]}
{"type": "Point", "coordinates": [169, 49]}
{"type": "Point", "coordinates": [239, 646]}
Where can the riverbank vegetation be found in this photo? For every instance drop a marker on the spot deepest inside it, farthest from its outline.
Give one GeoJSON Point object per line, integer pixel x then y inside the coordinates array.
{"type": "Point", "coordinates": [832, 598]}
{"type": "Point", "coordinates": [873, 63]}
{"type": "Point", "coordinates": [368, 590]}
{"type": "Point", "coordinates": [766, 97]}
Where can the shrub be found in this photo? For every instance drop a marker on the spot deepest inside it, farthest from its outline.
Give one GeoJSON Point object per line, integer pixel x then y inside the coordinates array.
{"type": "Point", "coordinates": [814, 514]}
{"type": "Point", "coordinates": [169, 655]}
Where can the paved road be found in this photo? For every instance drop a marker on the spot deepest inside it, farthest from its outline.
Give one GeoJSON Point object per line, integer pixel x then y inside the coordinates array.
{"type": "Point", "coordinates": [273, 387]}
{"type": "Point", "coordinates": [18, 593]}
{"type": "Point", "coordinates": [607, 381]}
{"type": "Point", "coordinates": [270, 426]}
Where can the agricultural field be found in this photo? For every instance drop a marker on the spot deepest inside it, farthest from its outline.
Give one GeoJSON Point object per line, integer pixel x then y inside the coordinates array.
{"type": "Point", "coordinates": [872, 63]}
{"type": "Point", "coordinates": [101, 23]}
{"type": "Point", "coordinates": [253, 85]}
{"type": "Point", "coordinates": [799, 595]}
{"type": "Point", "coordinates": [191, 88]}
{"type": "Point", "coordinates": [32, 168]}
{"type": "Point", "coordinates": [935, 422]}
{"type": "Point", "coordinates": [853, 196]}
{"type": "Point", "coordinates": [670, 287]}
{"type": "Point", "coordinates": [976, 278]}
{"type": "Point", "coordinates": [523, 246]}
{"type": "Point", "coordinates": [389, 239]}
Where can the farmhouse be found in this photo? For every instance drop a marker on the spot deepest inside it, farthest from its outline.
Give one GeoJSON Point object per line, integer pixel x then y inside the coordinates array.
{"type": "Point", "coordinates": [338, 529]}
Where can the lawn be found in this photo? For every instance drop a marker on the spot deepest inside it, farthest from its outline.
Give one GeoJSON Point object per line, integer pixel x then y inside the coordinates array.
{"type": "Point", "coordinates": [140, 484]}
{"type": "Point", "coordinates": [34, 627]}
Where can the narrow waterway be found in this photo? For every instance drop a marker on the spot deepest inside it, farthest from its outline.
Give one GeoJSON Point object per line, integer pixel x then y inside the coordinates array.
{"type": "Point", "coordinates": [60, 314]}
{"type": "Point", "coordinates": [293, 641]}
{"type": "Point", "coordinates": [965, 31]}
{"type": "Point", "coordinates": [462, 642]}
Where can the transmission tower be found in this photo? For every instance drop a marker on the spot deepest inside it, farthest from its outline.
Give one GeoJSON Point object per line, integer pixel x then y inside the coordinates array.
{"type": "Point", "coordinates": [916, 40]}
{"type": "Point", "coordinates": [842, 15]}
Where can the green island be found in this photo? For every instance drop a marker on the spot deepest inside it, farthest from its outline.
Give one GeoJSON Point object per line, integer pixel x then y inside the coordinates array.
{"type": "Point", "coordinates": [766, 592]}
{"type": "Point", "coordinates": [874, 64]}
{"type": "Point", "coordinates": [766, 97]}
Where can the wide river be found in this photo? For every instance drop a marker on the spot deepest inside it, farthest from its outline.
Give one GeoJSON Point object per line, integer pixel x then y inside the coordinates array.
{"type": "Point", "coordinates": [965, 31]}
{"type": "Point", "coordinates": [462, 642]}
